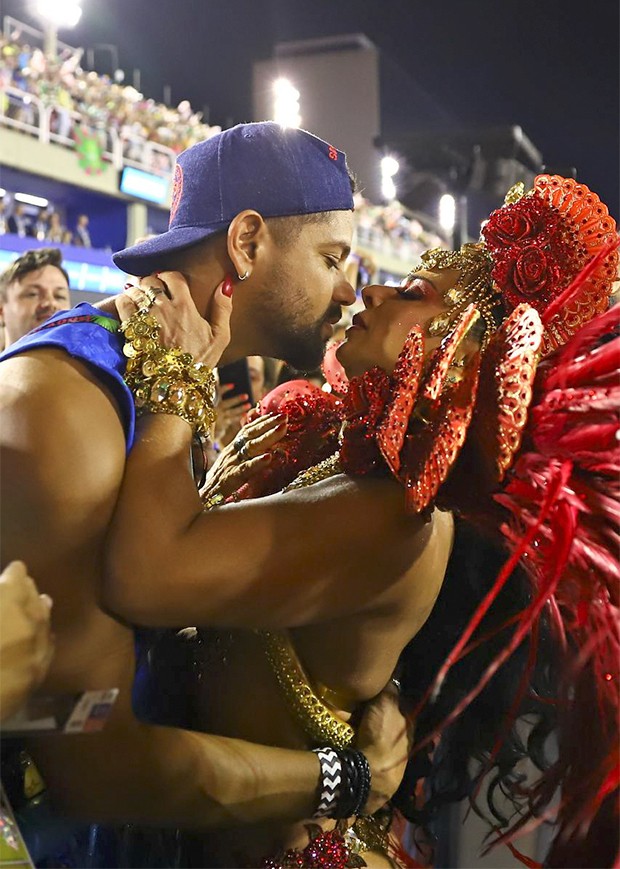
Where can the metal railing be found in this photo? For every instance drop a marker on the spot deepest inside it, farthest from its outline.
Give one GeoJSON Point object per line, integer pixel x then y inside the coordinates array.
{"type": "Point", "coordinates": [49, 122]}
{"type": "Point", "coordinates": [11, 25]}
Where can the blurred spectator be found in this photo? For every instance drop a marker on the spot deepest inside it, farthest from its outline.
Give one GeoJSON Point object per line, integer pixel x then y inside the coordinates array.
{"type": "Point", "coordinates": [32, 288]}
{"type": "Point", "coordinates": [19, 223]}
{"type": "Point", "coordinates": [82, 235]}
{"type": "Point", "coordinates": [256, 370]}
{"type": "Point", "coordinates": [26, 645]}
{"type": "Point", "coordinates": [55, 230]}
{"type": "Point", "coordinates": [389, 229]}
{"type": "Point", "coordinates": [41, 225]}
{"type": "Point", "coordinates": [3, 219]}
{"type": "Point", "coordinates": [272, 371]}
{"type": "Point", "coordinates": [67, 237]}
{"type": "Point", "coordinates": [231, 414]}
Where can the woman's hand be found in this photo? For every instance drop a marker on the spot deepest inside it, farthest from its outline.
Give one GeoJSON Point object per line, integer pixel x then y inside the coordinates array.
{"type": "Point", "coordinates": [246, 457]}
{"type": "Point", "coordinates": [26, 646]}
{"type": "Point", "coordinates": [168, 299]}
{"type": "Point", "coordinates": [385, 736]}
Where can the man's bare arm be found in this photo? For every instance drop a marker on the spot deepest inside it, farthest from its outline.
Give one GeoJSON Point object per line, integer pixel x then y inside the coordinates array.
{"type": "Point", "coordinates": [280, 561]}
{"type": "Point", "coordinates": [138, 773]}
{"type": "Point", "coordinates": [63, 454]}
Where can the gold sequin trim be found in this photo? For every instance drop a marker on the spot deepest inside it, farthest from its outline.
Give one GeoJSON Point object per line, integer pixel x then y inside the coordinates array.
{"type": "Point", "coordinates": [319, 723]}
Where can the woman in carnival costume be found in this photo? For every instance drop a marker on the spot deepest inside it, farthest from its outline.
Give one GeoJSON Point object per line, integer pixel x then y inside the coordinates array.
{"type": "Point", "coordinates": [487, 386]}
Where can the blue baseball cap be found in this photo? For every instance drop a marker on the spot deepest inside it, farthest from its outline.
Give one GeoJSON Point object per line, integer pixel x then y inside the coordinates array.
{"type": "Point", "coordinates": [274, 170]}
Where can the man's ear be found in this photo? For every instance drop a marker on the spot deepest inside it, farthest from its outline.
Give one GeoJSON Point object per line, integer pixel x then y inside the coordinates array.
{"type": "Point", "coordinates": [246, 234]}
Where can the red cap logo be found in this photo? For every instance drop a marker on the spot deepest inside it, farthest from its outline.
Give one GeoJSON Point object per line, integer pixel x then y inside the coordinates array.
{"type": "Point", "coordinates": [333, 154]}
{"type": "Point", "coordinates": [177, 190]}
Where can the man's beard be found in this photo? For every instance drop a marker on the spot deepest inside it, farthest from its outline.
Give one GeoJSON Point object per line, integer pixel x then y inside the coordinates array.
{"type": "Point", "coordinates": [303, 347]}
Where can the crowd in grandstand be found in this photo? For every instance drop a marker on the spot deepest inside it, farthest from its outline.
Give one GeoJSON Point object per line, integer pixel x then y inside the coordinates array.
{"type": "Point", "coordinates": [46, 225]}
{"type": "Point", "coordinates": [391, 230]}
{"type": "Point", "coordinates": [87, 99]}
{"type": "Point", "coordinates": [97, 102]}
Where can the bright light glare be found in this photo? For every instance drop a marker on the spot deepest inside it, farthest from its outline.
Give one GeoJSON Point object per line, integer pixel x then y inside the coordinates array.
{"type": "Point", "coordinates": [389, 168]}
{"type": "Point", "coordinates": [27, 199]}
{"type": "Point", "coordinates": [388, 188]}
{"type": "Point", "coordinates": [286, 103]}
{"type": "Point", "coordinates": [447, 212]}
{"type": "Point", "coordinates": [2, 191]}
{"type": "Point", "coordinates": [61, 13]}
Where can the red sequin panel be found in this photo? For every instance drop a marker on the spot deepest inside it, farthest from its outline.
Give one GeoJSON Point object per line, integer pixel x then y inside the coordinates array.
{"type": "Point", "coordinates": [406, 379]}
{"type": "Point", "coordinates": [505, 393]}
{"type": "Point", "coordinates": [444, 357]}
{"type": "Point", "coordinates": [434, 441]}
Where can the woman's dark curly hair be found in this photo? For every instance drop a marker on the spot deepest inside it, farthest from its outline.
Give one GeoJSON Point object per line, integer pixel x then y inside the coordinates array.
{"type": "Point", "coordinates": [448, 773]}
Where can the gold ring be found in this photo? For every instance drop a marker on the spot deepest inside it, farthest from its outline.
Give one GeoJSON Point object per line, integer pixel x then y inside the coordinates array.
{"type": "Point", "coordinates": [151, 296]}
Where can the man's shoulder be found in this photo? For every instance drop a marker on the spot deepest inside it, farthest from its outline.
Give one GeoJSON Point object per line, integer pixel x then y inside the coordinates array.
{"type": "Point", "coordinates": [73, 359]}
{"type": "Point", "coordinates": [47, 387]}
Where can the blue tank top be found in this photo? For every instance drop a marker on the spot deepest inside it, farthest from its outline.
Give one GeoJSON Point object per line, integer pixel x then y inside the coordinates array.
{"type": "Point", "coordinates": [93, 338]}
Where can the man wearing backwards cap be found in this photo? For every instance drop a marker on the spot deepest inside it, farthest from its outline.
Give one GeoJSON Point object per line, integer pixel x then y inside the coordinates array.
{"type": "Point", "coordinates": [268, 212]}
{"type": "Point", "coordinates": [269, 207]}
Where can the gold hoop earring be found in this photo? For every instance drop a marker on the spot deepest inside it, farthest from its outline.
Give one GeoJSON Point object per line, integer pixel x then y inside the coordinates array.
{"type": "Point", "coordinates": [245, 275]}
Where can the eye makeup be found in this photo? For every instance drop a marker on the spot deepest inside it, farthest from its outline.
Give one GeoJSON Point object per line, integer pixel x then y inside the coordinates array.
{"type": "Point", "coordinates": [417, 288]}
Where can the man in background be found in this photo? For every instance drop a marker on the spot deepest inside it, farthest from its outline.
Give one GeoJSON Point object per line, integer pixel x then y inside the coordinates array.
{"type": "Point", "coordinates": [82, 235]}
{"type": "Point", "coordinates": [19, 223]}
{"type": "Point", "coordinates": [32, 288]}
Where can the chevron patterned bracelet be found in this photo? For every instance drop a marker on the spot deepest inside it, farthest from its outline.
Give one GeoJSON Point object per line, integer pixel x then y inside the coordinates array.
{"type": "Point", "coordinates": [331, 782]}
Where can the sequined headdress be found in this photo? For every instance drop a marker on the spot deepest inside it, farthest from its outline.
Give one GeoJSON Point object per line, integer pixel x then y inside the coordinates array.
{"type": "Point", "coordinates": [531, 250]}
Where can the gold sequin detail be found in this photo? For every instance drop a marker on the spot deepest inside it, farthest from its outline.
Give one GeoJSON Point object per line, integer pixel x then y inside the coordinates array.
{"type": "Point", "coordinates": [474, 285]}
{"type": "Point", "coordinates": [319, 723]}
{"type": "Point", "coordinates": [327, 468]}
{"type": "Point", "coordinates": [516, 192]}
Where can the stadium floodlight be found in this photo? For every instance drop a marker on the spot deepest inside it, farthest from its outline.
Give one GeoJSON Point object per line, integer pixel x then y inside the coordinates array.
{"type": "Point", "coordinates": [389, 168]}
{"type": "Point", "coordinates": [447, 212]}
{"type": "Point", "coordinates": [60, 13]}
{"type": "Point", "coordinates": [56, 14]}
{"type": "Point", "coordinates": [27, 199]}
{"type": "Point", "coordinates": [286, 103]}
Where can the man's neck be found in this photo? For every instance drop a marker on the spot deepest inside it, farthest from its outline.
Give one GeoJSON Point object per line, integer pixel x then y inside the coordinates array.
{"type": "Point", "coordinates": [108, 306]}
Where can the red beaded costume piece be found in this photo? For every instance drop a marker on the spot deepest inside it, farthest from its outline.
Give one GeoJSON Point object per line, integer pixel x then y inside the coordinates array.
{"type": "Point", "coordinates": [326, 850]}
{"type": "Point", "coordinates": [541, 242]}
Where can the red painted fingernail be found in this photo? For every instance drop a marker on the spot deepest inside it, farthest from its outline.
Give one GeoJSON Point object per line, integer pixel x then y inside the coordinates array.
{"type": "Point", "coordinates": [128, 285]}
{"type": "Point", "coordinates": [227, 287]}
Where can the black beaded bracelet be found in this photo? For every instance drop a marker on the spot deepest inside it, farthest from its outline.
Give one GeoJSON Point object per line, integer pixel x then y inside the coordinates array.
{"type": "Point", "coordinates": [364, 781]}
{"type": "Point", "coordinates": [357, 788]}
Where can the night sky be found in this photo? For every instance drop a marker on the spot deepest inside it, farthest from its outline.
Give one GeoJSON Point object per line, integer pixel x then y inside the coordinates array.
{"type": "Point", "coordinates": [550, 66]}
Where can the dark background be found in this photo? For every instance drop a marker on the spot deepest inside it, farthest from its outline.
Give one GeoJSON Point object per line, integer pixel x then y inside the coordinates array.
{"type": "Point", "coordinates": [550, 66]}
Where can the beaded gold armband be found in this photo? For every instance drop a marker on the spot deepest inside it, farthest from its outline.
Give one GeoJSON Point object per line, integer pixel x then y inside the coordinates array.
{"type": "Point", "coordinates": [320, 724]}
{"type": "Point", "coordinates": [166, 380]}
